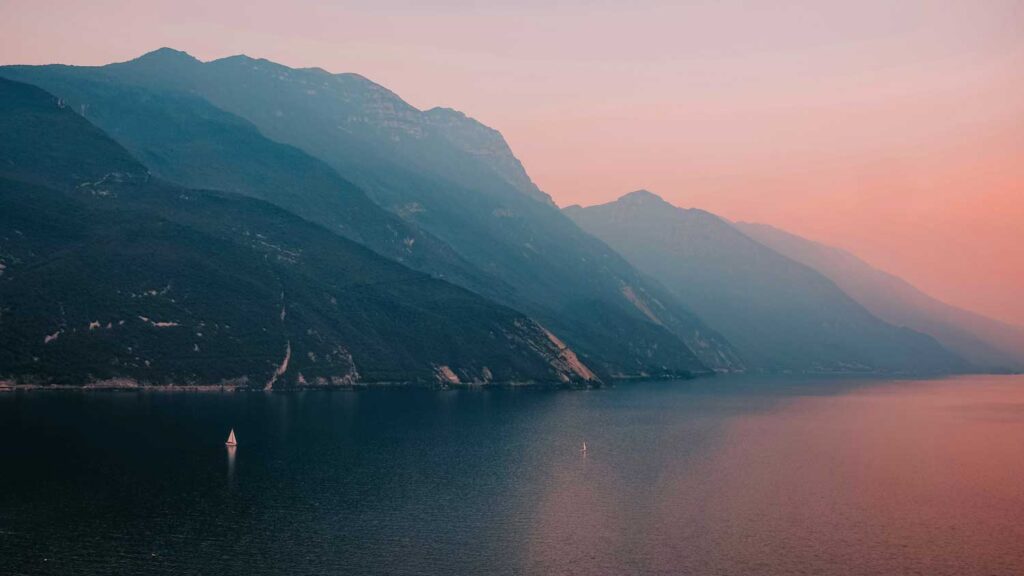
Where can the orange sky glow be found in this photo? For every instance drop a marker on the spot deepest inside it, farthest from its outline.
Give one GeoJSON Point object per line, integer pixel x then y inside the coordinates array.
{"type": "Point", "coordinates": [893, 129]}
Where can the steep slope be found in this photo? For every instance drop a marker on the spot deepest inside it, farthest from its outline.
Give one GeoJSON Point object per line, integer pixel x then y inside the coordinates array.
{"type": "Point", "coordinates": [182, 138]}
{"type": "Point", "coordinates": [108, 273]}
{"type": "Point", "coordinates": [985, 342]}
{"type": "Point", "coordinates": [458, 181]}
{"type": "Point", "coordinates": [781, 315]}
{"type": "Point", "coordinates": [486, 145]}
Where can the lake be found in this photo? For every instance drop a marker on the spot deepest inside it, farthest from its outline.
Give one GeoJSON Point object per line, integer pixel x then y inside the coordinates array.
{"type": "Point", "coordinates": [712, 476]}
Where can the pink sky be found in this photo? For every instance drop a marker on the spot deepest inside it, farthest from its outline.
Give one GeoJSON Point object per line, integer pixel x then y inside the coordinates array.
{"type": "Point", "coordinates": [893, 129]}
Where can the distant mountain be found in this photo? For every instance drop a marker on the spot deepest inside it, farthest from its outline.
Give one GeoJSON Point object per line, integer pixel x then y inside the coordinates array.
{"type": "Point", "coordinates": [106, 273]}
{"type": "Point", "coordinates": [457, 180]}
{"type": "Point", "coordinates": [985, 342]}
{"type": "Point", "coordinates": [780, 314]}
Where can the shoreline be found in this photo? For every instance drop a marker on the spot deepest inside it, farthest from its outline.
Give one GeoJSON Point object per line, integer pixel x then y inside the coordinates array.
{"type": "Point", "coordinates": [125, 385]}
{"type": "Point", "coordinates": [235, 388]}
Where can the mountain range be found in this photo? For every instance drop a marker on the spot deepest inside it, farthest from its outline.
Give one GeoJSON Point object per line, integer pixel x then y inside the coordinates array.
{"type": "Point", "coordinates": [481, 204]}
{"type": "Point", "coordinates": [782, 316]}
{"type": "Point", "coordinates": [986, 343]}
{"type": "Point", "coordinates": [111, 275]}
{"type": "Point", "coordinates": [168, 220]}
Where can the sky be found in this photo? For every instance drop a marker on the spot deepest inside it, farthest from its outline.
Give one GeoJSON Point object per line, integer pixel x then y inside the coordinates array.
{"type": "Point", "coordinates": [892, 129]}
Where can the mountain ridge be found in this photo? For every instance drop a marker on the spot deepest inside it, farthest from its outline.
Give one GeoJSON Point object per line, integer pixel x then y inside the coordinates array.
{"type": "Point", "coordinates": [126, 279]}
{"type": "Point", "coordinates": [184, 139]}
{"type": "Point", "coordinates": [567, 280]}
{"type": "Point", "coordinates": [986, 342]}
{"type": "Point", "coordinates": [781, 315]}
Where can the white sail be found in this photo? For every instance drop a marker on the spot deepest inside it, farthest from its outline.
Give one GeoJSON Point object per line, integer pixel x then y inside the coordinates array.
{"type": "Point", "coordinates": [231, 439]}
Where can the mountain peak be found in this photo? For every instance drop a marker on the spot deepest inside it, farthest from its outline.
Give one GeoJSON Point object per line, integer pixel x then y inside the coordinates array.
{"type": "Point", "coordinates": [443, 110]}
{"type": "Point", "coordinates": [168, 55]}
{"type": "Point", "coordinates": [642, 196]}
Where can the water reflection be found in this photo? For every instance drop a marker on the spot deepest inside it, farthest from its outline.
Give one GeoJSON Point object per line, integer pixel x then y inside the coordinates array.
{"type": "Point", "coordinates": [910, 477]}
{"type": "Point", "coordinates": [709, 477]}
{"type": "Point", "coordinates": [231, 464]}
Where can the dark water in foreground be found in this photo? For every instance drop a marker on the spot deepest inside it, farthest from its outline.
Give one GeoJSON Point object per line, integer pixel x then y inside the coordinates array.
{"type": "Point", "coordinates": [721, 476]}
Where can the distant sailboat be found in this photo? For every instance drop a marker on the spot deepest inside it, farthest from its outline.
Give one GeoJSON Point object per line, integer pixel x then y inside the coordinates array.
{"type": "Point", "coordinates": [231, 439]}
{"type": "Point", "coordinates": [584, 449]}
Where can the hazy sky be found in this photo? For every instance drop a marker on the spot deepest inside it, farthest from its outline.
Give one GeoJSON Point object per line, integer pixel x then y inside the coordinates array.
{"type": "Point", "coordinates": [894, 129]}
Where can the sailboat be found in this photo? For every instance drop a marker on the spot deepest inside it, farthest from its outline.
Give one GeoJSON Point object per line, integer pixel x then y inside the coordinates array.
{"type": "Point", "coordinates": [231, 439]}
{"type": "Point", "coordinates": [584, 449]}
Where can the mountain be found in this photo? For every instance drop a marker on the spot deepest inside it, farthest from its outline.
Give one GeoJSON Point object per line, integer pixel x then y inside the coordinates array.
{"type": "Point", "coordinates": [984, 342]}
{"type": "Point", "coordinates": [487, 145]}
{"type": "Point", "coordinates": [780, 314]}
{"type": "Point", "coordinates": [182, 138]}
{"type": "Point", "coordinates": [109, 274]}
{"type": "Point", "coordinates": [458, 181]}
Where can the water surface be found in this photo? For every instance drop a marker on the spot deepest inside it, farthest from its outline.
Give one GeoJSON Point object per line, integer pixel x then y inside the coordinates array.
{"type": "Point", "coordinates": [716, 476]}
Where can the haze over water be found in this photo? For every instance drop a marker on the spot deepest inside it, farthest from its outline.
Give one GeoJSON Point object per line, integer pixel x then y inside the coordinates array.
{"type": "Point", "coordinates": [714, 476]}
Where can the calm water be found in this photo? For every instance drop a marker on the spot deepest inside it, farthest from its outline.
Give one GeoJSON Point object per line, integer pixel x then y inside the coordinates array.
{"type": "Point", "coordinates": [723, 476]}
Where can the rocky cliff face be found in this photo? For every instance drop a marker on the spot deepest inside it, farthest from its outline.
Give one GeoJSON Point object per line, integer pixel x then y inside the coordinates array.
{"type": "Point", "coordinates": [486, 145]}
